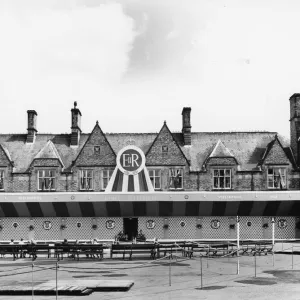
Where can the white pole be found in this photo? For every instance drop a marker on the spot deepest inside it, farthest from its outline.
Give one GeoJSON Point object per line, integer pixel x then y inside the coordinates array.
{"type": "Point", "coordinates": [32, 280]}
{"type": "Point", "coordinates": [273, 240]}
{"type": "Point", "coordinates": [56, 281]}
{"type": "Point", "coordinates": [170, 272]}
{"type": "Point", "coordinates": [238, 243]}
{"type": "Point", "coordinates": [201, 272]}
{"type": "Point", "coordinates": [292, 256]}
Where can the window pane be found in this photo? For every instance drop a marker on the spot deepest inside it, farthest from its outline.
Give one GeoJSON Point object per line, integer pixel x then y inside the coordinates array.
{"type": "Point", "coordinates": [40, 174]}
{"type": "Point", "coordinates": [105, 182]}
{"type": "Point", "coordinates": [216, 172]}
{"type": "Point", "coordinates": [221, 172]}
{"type": "Point", "coordinates": [157, 182]}
{"type": "Point", "coordinates": [216, 184]}
{"type": "Point", "coordinates": [221, 182]}
{"type": "Point", "coordinates": [110, 173]}
{"type": "Point", "coordinates": [150, 172]}
{"type": "Point", "coordinates": [157, 172]}
{"type": "Point", "coordinates": [270, 171]}
{"type": "Point", "coordinates": [227, 172]}
{"type": "Point", "coordinates": [227, 182]}
{"type": "Point", "coordinates": [89, 173]}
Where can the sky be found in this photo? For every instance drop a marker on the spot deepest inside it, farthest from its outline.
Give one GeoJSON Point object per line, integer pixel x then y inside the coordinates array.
{"type": "Point", "coordinates": [133, 64]}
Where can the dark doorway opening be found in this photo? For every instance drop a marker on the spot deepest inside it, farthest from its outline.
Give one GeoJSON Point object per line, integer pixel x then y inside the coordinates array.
{"type": "Point", "coordinates": [130, 226]}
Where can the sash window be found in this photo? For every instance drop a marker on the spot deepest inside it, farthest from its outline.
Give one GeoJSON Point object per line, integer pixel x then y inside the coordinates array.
{"type": "Point", "coordinates": [46, 180]}
{"type": "Point", "coordinates": [221, 179]}
{"type": "Point", "coordinates": [106, 175]}
{"type": "Point", "coordinates": [176, 179]}
{"type": "Point", "coordinates": [155, 177]}
{"type": "Point", "coordinates": [86, 179]}
{"type": "Point", "coordinates": [277, 178]}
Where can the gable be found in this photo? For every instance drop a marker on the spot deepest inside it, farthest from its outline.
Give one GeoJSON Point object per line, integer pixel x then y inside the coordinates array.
{"type": "Point", "coordinates": [174, 155]}
{"type": "Point", "coordinates": [96, 150]}
{"type": "Point", "coordinates": [48, 155]}
{"type": "Point", "coordinates": [275, 154]}
{"type": "Point", "coordinates": [4, 157]}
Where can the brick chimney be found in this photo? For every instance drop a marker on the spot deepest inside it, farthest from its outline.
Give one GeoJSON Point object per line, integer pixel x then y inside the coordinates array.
{"type": "Point", "coordinates": [76, 124]}
{"type": "Point", "coordinates": [31, 128]}
{"type": "Point", "coordinates": [186, 126]}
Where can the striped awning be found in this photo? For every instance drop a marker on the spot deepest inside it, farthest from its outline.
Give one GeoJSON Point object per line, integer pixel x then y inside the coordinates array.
{"type": "Point", "coordinates": [149, 208]}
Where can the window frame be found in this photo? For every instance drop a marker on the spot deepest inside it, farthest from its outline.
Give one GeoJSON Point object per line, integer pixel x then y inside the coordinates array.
{"type": "Point", "coordinates": [273, 178]}
{"type": "Point", "coordinates": [85, 178]}
{"type": "Point", "coordinates": [107, 171]}
{"type": "Point", "coordinates": [53, 179]}
{"type": "Point", "coordinates": [154, 177]}
{"type": "Point", "coordinates": [219, 188]}
{"type": "Point", "coordinates": [170, 178]}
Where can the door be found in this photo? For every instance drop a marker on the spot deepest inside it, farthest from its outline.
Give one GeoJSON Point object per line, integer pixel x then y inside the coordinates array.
{"type": "Point", "coordinates": [130, 226]}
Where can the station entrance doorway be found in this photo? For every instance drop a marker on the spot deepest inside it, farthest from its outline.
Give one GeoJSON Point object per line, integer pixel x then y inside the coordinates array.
{"type": "Point", "coordinates": [130, 226]}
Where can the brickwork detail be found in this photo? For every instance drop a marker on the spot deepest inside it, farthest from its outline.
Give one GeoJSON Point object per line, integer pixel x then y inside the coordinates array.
{"type": "Point", "coordinates": [174, 155]}
{"type": "Point", "coordinates": [276, 155]}
{"type": "Point", "coordinates": [96, 151]}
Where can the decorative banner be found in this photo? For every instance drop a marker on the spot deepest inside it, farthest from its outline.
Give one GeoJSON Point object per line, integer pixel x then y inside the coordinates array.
{"type": "Point", "coordinates": [130, 174]}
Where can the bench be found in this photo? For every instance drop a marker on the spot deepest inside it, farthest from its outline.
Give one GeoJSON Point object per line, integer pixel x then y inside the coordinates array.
{"type": "Point", "coordinates": [130, 249]}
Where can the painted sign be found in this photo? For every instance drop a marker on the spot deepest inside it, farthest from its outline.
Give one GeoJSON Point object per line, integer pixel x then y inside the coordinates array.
{"type": "Point", "coordinates": [131, 160]}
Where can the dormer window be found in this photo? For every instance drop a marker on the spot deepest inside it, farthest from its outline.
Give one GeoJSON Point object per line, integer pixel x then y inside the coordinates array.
{"type": "Point", "coordinates": [86, 179]}
{"type": "Point", "coordinates": [46, 180]}
{"type": "Point", "coordinates": [164, 149]}
{"type": "Point", "coordinates": [1, 180]}
{"type": "Point", "coordinates": [276, 178]}
{"type": "Point", "coordinates": [222, 179]}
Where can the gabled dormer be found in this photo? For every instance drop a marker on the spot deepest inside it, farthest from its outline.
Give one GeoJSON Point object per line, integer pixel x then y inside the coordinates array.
{"type": "Point", "coordinates": [165, 150]}
{"type": "Point", "coordinates": [5, 159]}
{"type": "Point", "coordinates": [220, 156]}
{"type": "Point", "coordinates": [276, 163]}
{"type": "Point", "coordinates": [96, 151]}
{"type": "Point", "coordinates": [275, 154]}
{"type": "Point", "coordinates": [48, 156]}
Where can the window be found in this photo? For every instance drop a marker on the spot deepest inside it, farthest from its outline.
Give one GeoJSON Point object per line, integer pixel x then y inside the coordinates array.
{"type": "Point", "coordinates": [222, 178]}
{"type": "Point", "coordinates": [86, 179]}
{"type": "Point", "coordinates": [155, 177]}
{"type": "Point", "coordinates": [106, 175]}
{"type": "Point", "coordinates": [1, 179]}
{"type": "Point", "coordinates": [276, 178]}
{"type": "Point", "coordinates": [176, 178]}
{"type": "Point", "coordinates": [164, 149]}
{"type": "Point", "coordinates": [46, 180]}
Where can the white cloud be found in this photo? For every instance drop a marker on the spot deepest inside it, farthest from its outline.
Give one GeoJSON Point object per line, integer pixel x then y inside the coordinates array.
{"type": "Point", "coordinates": [53, 53]}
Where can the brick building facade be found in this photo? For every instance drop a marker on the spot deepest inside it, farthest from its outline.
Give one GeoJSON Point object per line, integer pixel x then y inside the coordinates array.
{"type": "Point", "coordinates": [199, 179]}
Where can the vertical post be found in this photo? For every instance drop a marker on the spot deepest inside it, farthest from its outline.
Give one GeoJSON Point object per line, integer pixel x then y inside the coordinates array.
{"type": "Point", "coordinates": [238, 243]}
{"type": "Point", "coordinates": [170, 272]}
{"type": "Point", "coordinates": [32, 281]}
{"type": "Point", "coordinates": [201, 271]}
{"type": "Point", "coordinates": [273, 240]}
{"type": "Point", "coordinates": [208, 255]}
{"type": "Point", "coordinates": [56, 280]}
{"type": "Point", "coordinates": [292, 256]}
{"type": "Point", "coordinates": [255, 263]}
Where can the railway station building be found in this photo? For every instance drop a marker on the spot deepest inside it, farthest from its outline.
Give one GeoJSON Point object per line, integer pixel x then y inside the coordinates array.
{"type": "Point", "coordinates": [170, 185]}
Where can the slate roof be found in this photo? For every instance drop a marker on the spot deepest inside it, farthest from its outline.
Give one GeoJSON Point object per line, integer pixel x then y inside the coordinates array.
{"type": "Point", "coordinates": [247, 147]}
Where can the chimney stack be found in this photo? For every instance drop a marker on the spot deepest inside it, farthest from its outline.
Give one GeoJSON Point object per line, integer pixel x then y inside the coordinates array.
{"type": "Point", "coordinates": [186, 126]}
{"type": "Point", "coordinates": [295, 125]}
{"type": "Point", "coordinates": [31, 128]}
{"type": "Point", "coordinates": [76, 124]}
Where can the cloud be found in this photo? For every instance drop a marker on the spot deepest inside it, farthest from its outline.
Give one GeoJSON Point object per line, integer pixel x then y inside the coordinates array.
{"type": "Point", "coordinates": [55, 52]}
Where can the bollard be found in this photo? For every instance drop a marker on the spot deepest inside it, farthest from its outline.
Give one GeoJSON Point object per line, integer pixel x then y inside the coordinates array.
{"type": "Point", "coordinates": [56, 280]}
{"type": "Point", "coordinates": [201, 272]}
{"type": "Point", "coordinates": [292, 256]}
{"type": "Point", "coordinates": [32, 281]}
